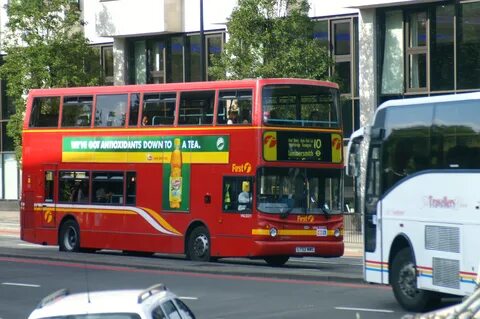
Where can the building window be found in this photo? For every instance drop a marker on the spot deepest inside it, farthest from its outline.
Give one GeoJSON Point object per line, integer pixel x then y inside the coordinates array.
{"type": "Point", "coordinates": [342, 53]}
{"type": "Point", "coordinates": [156, 61]}
{"type": "Point", "coordinates": [417, 40]}
{"type": "Point", "coordinates": [468, 46]}
{"type": "Point", "coordinates": [193, 59]}
{"type": "Point", "coordinates": [214, 47]}
{"type": "Point", "coordinates": [107, 64]}
{"type": "Point", "coordinates": [392, 70]}
{"type": "Point", "coordinates": [176, 60]}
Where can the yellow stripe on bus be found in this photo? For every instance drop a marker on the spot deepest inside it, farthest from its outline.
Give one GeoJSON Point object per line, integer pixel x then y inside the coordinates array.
{"type": "Point", "coordinates": [144, 157]}
{"type": "Point", "coordinates": [290, 232]}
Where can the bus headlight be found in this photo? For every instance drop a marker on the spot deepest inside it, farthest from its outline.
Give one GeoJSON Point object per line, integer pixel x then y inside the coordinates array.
{"type": "Point", "coordinates": [337, 232]}
{"type": "Point", "coordinates": [273, 232]}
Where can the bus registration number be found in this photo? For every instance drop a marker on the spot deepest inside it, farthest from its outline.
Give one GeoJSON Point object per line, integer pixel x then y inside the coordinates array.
{"type": "Point", "coordinates": [305, 249]}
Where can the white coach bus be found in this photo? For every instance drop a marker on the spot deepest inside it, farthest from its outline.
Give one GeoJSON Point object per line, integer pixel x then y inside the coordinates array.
{"type": "Point", "coordinates": [422, 197]}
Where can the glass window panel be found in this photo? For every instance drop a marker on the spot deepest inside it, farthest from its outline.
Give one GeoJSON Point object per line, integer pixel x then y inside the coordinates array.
{"type": "Point", "coordinates": [235, 107]}
{"type": "Point", "coordinates": [77, 111]}
{"type": "Point", "coordinates": [342, 70]}
{"type": "Point", "coordinates": [49, 186]}
{"type": "Point", "coordinates": [417, 65]}
{"type": "Point", "coordinates": [342, 38]}
{"type": "Point", "coordinates": [418, 29]}
{"type": "Point", "coordinates": [196, 108]}
{"type": "Point", "coordinates": [140, 62]}
{"type": "Point", "coordinates": [45, 111]}
{"type": "Point", "coordinates": [7, 141]}
{"type": "Point", "coordinates": [170, 310]}
{"type": "Point", "coordinates": [156, 61]}
{"type": "Point", "coordinates": [442, 48]}
{"type": "Point", "coordinates": [347, 117]}
{"type": "Point", "coordinates": [11, 176]}
{"type": "Point", "coordinates": [73, 186]}
{"type": "Point", "coordinates": [107, 187]}
{"type": "Point", "coordinates": [176, 59]}
{"type": "Point", "coordinates": [320, 33]}
{"type": "Point", "coordinates": [131, 188]}
{"type": "Point", "coordinates": [468, 46]}
{"type": "Point", "coordinates": [107, 61]}
{"type": "Point", "coordinates": [194, 68]}
{"type": "Point", "coordinates": [214, 48]}
{"type": "Point", "coordinates": [111, 110]}
{"type": "Point", "coordinates": [134, 109]}
{"type": "Point", "coordinates": [392, 68]}
{"type": "Point", "coordinates": [158, 109]}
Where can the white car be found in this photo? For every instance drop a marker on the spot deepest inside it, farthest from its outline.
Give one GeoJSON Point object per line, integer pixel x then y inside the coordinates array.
{"type": "Point", "coordinates": [155, 302]}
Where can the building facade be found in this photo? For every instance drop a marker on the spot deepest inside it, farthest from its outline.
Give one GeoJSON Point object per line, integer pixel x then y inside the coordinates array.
{"type": "Point", "coordinates": [382, 50]}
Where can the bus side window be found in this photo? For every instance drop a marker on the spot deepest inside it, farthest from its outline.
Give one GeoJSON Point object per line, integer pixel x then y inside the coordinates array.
{"type": "Point", "coordinates": [196, 108]}
{"type": "Point", "coordinates": [45, 112]}
{"type": "Point", "coordinates": [134, 109]}
{"type": "Point", "coordinates": [237, 194]}
{"type": "Point", "coordinates": [77, 111]}
{"type": "Point", "coordinates": [49, 186]}
{"type": "Point", "coordinates": [234, 107]}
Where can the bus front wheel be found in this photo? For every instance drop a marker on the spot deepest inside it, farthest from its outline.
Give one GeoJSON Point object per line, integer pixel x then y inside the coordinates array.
{"type": "Point", "coordinates": [69, 237]}
{"type": "Point", "coordinates": [198, 246]}
{"type": "Point", "coordinates": [276, 261]}
{"type": "Point", "coordinates": [404, 284]}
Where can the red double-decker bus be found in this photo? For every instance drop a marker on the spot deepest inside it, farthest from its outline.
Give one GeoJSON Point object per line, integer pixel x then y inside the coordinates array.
{"type": "Point", "coordinates": [248, 168]}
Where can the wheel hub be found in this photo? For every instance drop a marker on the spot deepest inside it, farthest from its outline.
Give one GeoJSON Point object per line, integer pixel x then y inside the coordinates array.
{"type": "Point", "coordinates": [201, 245]}
{"type": "Point", "coordinates": [408, 280]}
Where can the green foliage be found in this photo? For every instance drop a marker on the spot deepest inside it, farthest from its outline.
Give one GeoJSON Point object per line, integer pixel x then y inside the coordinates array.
{"type": "Point", "coordinates": [45, 48]}
{"type": "Point", "coordinates": [271, 38]}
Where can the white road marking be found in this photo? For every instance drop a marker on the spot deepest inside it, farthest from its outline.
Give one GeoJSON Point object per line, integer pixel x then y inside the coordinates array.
{"type": "Point", "coordinates": [185, 298]}
{"type": "Point", "coordinates": [365, 309]}
{"type": "Point", "coordinates": [19, 284]}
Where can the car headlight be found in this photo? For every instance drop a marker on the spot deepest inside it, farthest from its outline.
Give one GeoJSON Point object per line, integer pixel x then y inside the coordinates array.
{"type": "Point", "coordinates": [273, 232]}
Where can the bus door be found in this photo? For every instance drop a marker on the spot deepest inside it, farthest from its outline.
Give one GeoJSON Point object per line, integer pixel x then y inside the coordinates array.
{"type": "Point", "coordinates": [236, 214]}
{"type": "Point", "coordinates": [375, 269]}
{"type": "Point", "coordinates": [46, 197]}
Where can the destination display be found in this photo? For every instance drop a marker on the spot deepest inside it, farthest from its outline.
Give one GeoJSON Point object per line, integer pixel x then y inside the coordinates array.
{"type": "Point", "coordinates": [302, 146]}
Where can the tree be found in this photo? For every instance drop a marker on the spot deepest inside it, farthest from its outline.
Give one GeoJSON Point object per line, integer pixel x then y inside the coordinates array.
{"type": "Point", "coordinates": [271, 38]}
{"type": "Point", "coordinates": [45, 47]}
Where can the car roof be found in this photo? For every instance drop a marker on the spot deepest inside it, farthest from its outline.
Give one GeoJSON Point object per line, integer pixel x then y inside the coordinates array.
{"type": "Point", "coordinates": [111, 301]}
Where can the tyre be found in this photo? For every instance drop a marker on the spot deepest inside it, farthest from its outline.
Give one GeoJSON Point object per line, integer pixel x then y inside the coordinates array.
{"type": "Point", "coordinates": [404, 284]}
{"type": "Point", "coordinates": [276, 261]}
{"type": "Point", "coordinates": [198, 246]}
{"type": "Point", "coordinates": [69, 236]}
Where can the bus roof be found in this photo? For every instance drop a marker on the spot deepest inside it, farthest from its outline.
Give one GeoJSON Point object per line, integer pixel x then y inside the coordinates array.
{"type": "Point", "coordinates": [431, 99]}
{"type": "Point", "coordinates": [226, 84]}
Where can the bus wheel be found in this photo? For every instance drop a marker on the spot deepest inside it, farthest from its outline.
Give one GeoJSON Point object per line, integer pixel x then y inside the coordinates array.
{"type": "Point", "coordinates": [404, 284]}
{"type": "Point", "coordinates": [276, 261]}
{"type": "Point", "coordinates": [69, 238]}
{"type": "Point", "coordinates": [198, 247]}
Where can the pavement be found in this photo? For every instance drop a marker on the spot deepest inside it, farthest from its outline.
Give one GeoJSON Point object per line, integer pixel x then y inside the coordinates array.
{"type": "Point", "coordinates": [346, 269]}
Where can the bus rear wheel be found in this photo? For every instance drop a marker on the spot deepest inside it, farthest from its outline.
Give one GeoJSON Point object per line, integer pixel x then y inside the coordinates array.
{"type": "Point", "coordinates": [69, 236]}
{"type": "Point", "coordinates": [404, 284]}
{"type": "Point", "coordinates": [198, 245]}
{"type": "Point", "coordinates": [276, 261]}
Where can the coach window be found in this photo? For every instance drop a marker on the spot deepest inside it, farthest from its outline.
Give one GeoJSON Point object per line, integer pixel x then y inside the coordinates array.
{"type": "Point", "coordinates": [196, 108]}
{"type": "Point", "coordinates": [134, 109]}
{"type": "Point", "coordinates": [73, 186]}
{"type": "Point", "coordinates": [45, 111]}
{"type": "Point", "coordinates": [107, 187]}
{"type": "Point", "coordinates": [49, 183]}
{"type": "Point", "coordinates": [237, 194]}
{"type": "Point", "coordinates": [77, 111]}
{"type": "Point", "coordinates": [111, 110]}
{"type": "Point", "coordinates": [235, 107]}
{"type": "Point", "coordinates": [158, 109]}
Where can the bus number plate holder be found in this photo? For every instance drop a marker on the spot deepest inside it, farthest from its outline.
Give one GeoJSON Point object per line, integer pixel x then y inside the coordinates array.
{"type": "Point", "coordinates": [304, 249]}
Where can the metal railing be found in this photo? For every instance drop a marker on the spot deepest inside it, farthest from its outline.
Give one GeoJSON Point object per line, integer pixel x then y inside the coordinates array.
{"type": "Point", "coordinates": [352, 232]}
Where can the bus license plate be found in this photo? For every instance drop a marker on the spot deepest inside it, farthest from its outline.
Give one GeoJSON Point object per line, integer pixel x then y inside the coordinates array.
{"type": "Point", "coordinates": [305, 249]}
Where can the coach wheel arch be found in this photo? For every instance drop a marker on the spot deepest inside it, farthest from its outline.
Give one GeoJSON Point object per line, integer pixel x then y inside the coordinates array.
{"type": "Point", "coordinates": [69, 235]}
{"type": "Point", "coordinates": [400, 242]}
{"type": "Point", "coordinates": [198, 242]}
